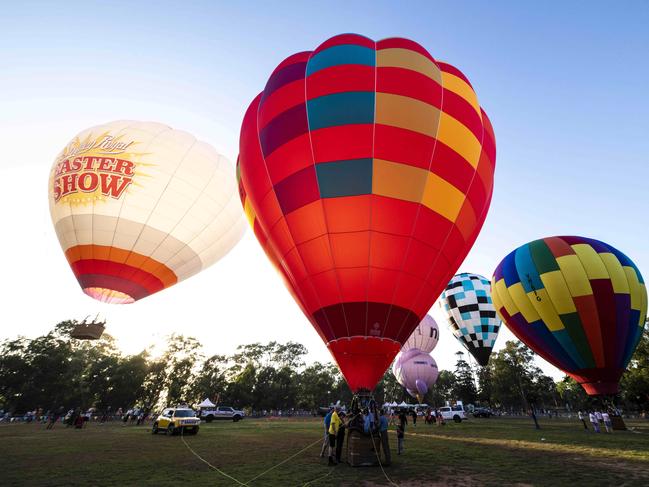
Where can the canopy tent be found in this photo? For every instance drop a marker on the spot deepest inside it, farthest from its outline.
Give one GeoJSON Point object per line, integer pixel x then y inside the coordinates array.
{"type": "Point", "coordinates": [206, 404]}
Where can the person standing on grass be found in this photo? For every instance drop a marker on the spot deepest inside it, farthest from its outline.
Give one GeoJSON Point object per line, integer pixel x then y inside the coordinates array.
{"type": "Point", "coordinates": [403, 419]}
{"type": "Point", "coordinates": [581, 417]}
{"type": "Point", "coordinates": [333, 432]}
{"type": "Point", "coordinates": [340, 437]}
{"type": "Point", "coordinates": [77, 422]}
{"type": "Point", "coordinates": [367, 421]}
{"type": "Point", "coordinates": [600, 418]}
{"type": "Point", "coordinates": [327, 422]}
{"type": "Point", "coordinates": [393, 418]}
{"type": "Point", "coordinates": [54, 417]}
{"type": "Point", "coordinates": [593, 421]}
{"type": "Point", "coordinates": [413, 413]}
{"type": "Point", "coordinates": [607, 422]}
{"type": "Point", "coordinates": [385, 443]}
{"type": "Point", "coordinates": [401, 431]}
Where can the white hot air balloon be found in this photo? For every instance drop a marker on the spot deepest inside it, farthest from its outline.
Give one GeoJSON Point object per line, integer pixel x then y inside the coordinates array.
{"type": "Point", "coordinates": [416, 371]}
{"type": "Point", "coordinates": [424, 337]}
{"type": "Point", "coordinates": [139, 206]}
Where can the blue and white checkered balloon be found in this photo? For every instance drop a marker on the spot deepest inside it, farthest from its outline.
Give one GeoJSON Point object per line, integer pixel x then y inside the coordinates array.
{"type": "Point", "coordinates": [467, 304]}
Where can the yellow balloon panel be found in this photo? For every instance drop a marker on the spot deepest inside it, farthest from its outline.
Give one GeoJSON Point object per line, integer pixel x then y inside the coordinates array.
{"type": "Point", "coordinates": [139, 206]}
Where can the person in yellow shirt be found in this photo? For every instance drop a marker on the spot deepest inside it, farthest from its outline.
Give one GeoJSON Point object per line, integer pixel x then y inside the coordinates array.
{"type": "Point", "coordinates": [334, 426]}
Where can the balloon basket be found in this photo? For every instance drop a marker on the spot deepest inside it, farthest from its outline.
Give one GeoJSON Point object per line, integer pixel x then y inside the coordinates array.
{"type": "Point", "coordinates": [363, 450]}
{"type": "Point", "coordinates": [88, 331]}
{"type": "Point", "coordinates": [618, 423]}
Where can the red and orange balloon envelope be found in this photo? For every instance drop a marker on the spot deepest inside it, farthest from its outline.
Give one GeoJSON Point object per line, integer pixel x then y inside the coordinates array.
{"type": "Point", "coordinates": [579, 303]}
{"type": "Point", "coordinates": [366, 170]}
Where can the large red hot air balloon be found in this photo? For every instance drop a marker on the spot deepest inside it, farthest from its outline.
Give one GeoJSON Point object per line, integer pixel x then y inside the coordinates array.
{"type": "Point", "coordinates": [366, 169]}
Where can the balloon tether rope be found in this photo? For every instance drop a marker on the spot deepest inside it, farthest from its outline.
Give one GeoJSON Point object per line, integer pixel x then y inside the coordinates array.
{"type": "Point", "coordinates": [378, 457]}
{"type": "Point", "coordinates": [216, 469]}
{"type": "Point", "coordinates": [319, 440]}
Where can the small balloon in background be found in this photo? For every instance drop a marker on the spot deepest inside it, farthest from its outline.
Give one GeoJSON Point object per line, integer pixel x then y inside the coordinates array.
{"type": "Point", "coordinates": [416, 371]}
{"type": "Point", "coordinates": [466, 302]}
{"type": "Point", "coordinates": [424, 337]}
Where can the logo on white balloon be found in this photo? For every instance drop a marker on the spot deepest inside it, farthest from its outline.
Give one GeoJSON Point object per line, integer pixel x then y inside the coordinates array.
{"type": "Point", "coordinates": [96, 167]}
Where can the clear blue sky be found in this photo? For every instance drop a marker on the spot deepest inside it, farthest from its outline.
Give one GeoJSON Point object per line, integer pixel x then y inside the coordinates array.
{"type": "Point", "coordinates": [564, 83]}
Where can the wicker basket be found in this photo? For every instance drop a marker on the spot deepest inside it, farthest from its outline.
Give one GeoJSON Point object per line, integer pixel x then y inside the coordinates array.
{"type": "Point", "coordinates": [87, 331]}
{"type": "Point", "coordinates": [618, 423]}
{"type": "Point", "coordinates": [361, 451]}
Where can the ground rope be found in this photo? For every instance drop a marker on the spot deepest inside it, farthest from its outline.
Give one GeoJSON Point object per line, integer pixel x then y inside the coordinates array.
{"type": "Point", "coordinates": [319, 440]}
{"type": "Point", "coordinates": [182, 436]}
{"type": "Point", "coordinates": [378, 457]}
{"type": "Point", "coordinates": [318, 479]}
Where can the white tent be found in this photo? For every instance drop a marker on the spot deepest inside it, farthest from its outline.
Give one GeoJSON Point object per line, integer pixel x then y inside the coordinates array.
{"type": "Point", "coordinates": [206, 404]}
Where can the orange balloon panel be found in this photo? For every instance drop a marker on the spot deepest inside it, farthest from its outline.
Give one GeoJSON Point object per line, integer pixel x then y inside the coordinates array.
{"type": "Point", "coordinates": [138, 206]}
{"type": "Point", "coordinates": [368, 167]}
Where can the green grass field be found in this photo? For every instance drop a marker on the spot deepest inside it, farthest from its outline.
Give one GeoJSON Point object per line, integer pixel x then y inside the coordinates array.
{"type": "Point", "coordinates": [476, 452]}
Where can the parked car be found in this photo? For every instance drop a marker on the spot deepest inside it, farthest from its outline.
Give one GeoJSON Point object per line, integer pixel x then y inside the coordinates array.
{"type": "Point", "coordinates": [177, 420]}
{"type": "Point", "coordinates": [482, 413]}
{"type": "Point", "coordinates": [456, 413]}
{"type": "Point", "coordinates": [222, 412]}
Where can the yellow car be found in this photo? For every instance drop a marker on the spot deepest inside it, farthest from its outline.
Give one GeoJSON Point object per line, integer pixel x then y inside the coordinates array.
{"type": "Point", "coordinates": [177, 420]}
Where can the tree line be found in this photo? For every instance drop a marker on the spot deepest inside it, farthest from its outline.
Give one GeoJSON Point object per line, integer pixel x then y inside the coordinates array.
{"type": "Point", "coordinates": [54, 370]}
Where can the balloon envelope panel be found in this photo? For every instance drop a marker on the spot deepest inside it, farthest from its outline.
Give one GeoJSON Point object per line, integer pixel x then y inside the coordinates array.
{"type": "Point", "coordinates": [424, 337]}
{"type": "Point", "coordinates": [369, 168]}
{"type": "Point", "coordinates": [579, 303]}
{"type": "Point", "coordinates": [468, 305]}
{"type": "Point", "coordinates": [138, 206]}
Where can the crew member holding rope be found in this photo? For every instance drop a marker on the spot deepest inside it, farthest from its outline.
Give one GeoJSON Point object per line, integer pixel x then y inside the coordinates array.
{"type": "Point", "coordinates": [333, 432]}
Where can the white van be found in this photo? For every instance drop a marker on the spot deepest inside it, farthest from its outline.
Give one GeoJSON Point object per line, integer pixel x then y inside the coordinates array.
{"type": "Point", "coordinates": [456, 413]}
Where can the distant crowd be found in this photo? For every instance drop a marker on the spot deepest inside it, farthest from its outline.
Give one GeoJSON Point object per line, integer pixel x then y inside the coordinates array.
{"type": "Point", "coordinates": [597, 419]}
{"type": "Point", "coordinates": [76, 417]}
{"type": "Point", "coordinates": [137, 415]}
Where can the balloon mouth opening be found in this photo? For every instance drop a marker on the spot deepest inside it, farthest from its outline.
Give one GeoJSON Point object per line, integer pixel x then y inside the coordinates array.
{"type": "Point", "coordinates": [598, 382]}
{"type": "Point", "coordinates": [110, 296]}
{"type": "Point", "coordinates": [600, 388]}
{"type": "Point", "coordinates": [363, 360]}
